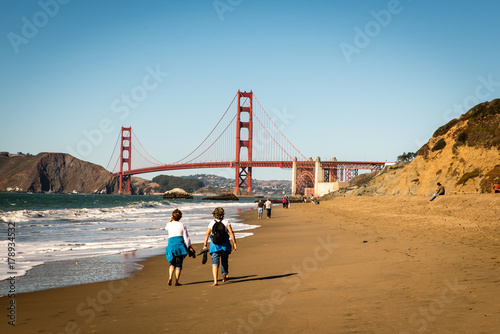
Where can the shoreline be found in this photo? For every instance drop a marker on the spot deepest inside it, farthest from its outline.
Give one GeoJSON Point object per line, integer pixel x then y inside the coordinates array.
{"type": "Point", "coordinates": [96, 268]}
{"type": "Point", "coordinates": [378, 264]}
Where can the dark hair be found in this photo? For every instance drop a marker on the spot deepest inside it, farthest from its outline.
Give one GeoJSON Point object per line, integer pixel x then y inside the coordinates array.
{"type": "Point", "coordinates": [218, 213]}
{"type": "Point", "coordinates": [439, 184]}
{"type": "Point", "coordinates": [177, 214]}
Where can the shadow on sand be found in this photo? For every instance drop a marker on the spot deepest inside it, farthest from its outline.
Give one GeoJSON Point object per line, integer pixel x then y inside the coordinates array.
{"type": "Point", "coordinates": [241, 279]}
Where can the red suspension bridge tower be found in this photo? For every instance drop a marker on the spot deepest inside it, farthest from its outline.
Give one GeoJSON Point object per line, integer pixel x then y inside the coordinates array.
{"type": "Point", "coordinates": [125, 158]}
{"type": "Point", "coordinates": [243, 175]}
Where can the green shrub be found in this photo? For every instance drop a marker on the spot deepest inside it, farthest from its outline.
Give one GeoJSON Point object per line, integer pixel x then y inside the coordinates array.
{"type": "Point", "coordinates": [406, 157]}
{"type": "Point", "coordinates": [470, 175]}
{"type": "Point", "coordinates": [462, 137]}
{"type": "Point", "coordinates": [441, 143]}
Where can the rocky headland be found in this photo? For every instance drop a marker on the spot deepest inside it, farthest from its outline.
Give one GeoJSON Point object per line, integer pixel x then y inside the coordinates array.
{"type": "Point", "coordinates": [54, 172]}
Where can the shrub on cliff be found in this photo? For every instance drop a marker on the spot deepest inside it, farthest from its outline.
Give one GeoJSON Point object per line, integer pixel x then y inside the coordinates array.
{"type": "Point", "coordinates": [475, 173]}
{"type": "Point", "coordinates": [406, 157]}
{"type": "Point", "coordinates": [441, 143]}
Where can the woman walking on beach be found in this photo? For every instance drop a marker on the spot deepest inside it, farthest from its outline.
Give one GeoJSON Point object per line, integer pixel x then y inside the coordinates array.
{"type": "Point", "coordinates": [268, 206]}
{"type": "Point", "coordinates": [219, 231]}
{"type": "Point", "coordinates": [260, 209]}
{"type": "Point", "coordinates": [178, 246]}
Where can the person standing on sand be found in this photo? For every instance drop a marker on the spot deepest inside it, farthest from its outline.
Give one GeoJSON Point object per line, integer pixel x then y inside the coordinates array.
{"type": "Point", "coordinates": [260, 209]}
{"type": "Point", "coordinates": [439, 192]}
{"type": "Point", "coordinates": [496, 188]}
{"type": "Point", "coordinates": [178, 246]}
{"type": "Point", "coordinates": [268, 205]}
{"type": "Point", "coordinates": [220, 252]}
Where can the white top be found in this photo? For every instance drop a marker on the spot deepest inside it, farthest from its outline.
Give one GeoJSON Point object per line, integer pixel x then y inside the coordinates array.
{"type": "Point", "coordinates": [177, 229]}
{"type": "Point", "coordinates": [268, 204]}
{"type": "Point", "coordinates": [225, 222]}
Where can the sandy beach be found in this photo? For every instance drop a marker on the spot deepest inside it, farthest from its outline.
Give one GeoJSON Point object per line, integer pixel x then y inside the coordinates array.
{"type": "Point", "coordinates": [388, 264]}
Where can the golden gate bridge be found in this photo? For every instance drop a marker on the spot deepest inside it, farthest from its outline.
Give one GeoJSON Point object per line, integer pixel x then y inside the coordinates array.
{"type": "Point", "coordinates": [244, 137]}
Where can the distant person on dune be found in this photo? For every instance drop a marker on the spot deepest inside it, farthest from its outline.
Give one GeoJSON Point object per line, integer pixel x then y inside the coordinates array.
{"type": "Point", "coordinates": [439, 192]}
{"type": "Point", "coordinates": [496, 188]}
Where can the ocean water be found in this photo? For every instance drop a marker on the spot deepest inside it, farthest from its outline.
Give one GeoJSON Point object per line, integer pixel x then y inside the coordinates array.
{"type": "Point", "coordinates": [55, 240]}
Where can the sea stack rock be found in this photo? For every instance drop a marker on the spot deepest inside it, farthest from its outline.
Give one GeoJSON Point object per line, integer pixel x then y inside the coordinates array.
{"type": "Point", "coordinates": [223, 197]}
{"type": "Point", "coordinates": [177, 193]}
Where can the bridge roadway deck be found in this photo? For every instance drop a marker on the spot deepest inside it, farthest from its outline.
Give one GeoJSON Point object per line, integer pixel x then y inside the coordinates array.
{"type": "Point", "coordinates": [279, 164]}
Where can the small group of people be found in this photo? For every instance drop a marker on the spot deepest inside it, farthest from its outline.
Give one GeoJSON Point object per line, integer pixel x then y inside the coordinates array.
{"type": "Point", "coordinates": [179, 245]}
{"type": "Point", "coordinates": [314, 201]}
{"type": "Point", "coordinates": [268, 205]}
{"type": "Point", "coordinates": [286, 202]}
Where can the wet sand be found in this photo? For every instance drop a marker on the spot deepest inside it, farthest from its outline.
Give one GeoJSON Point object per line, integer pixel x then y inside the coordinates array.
{"type": "Point", "coordinates": [389, 264]}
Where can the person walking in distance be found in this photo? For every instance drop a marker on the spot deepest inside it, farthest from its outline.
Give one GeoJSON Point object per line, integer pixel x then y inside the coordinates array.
{"type": "Point", "coordinates": [268, 206]}
{"type": "Point", "coordinates": [260, 209]}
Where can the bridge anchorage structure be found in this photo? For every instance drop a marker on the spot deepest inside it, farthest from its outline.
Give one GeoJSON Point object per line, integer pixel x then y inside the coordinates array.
{"type": "Point", "coordinates": [244, 138]}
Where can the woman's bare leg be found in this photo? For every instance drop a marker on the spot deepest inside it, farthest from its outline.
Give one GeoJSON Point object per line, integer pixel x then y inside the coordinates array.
{"type": "Point", "coordinates": [177, 276]}
{"type": "Point", "coordinates": [170, 274]}
{"type": "Point", "coordinates": [215, 273]}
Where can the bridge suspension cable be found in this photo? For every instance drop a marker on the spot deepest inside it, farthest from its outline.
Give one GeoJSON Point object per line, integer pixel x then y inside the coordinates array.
{"type": "Point", "coordinates": [208, 136]}
{"type": "Point", "coordinates": [114, 150]}
{"type": "Point", "coordinates": [216, 140]}
{"type": "Point", "coordinates": [283, 137]}
{"type": "Point", "coordinates": [158, 161]}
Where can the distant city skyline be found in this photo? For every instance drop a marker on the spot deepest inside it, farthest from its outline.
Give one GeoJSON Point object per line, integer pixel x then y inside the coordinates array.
{"type": "Point", "coordinates": [363, 81]}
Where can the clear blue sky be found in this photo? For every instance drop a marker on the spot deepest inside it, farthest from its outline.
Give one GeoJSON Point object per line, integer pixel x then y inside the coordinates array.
{"type": "Point", "coordinates": [364, 80]}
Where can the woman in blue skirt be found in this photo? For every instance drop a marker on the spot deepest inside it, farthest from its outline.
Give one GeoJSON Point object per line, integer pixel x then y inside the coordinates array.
{"type": "Point", "coordinates": [178, 245]}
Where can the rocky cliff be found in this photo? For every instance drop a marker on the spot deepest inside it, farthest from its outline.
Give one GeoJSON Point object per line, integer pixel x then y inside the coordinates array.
{"type": "Point", "coordinates": [463, 155]}
{"type": "Point", "coordinates": [59, 172]}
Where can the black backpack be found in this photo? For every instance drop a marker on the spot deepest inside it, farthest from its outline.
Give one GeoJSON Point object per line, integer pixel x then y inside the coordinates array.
{"type": "Point", "coordinates": [218, 233]}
